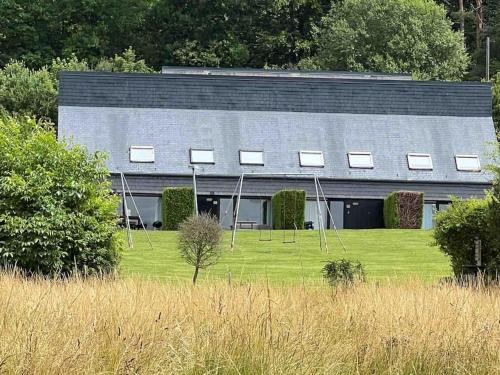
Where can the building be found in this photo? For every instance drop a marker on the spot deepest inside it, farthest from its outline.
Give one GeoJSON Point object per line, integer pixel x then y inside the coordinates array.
{"type": "Point", "coordinates": [363, 135]}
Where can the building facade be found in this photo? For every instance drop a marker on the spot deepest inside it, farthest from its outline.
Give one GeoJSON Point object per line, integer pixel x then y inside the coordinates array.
{"type": "Point", "coordinates": [364, 136]}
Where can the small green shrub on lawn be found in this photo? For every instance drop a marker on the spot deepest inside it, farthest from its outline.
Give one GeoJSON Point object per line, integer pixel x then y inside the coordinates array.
{"type": "Point", "coordinates": [404, 209]}
{"type": "Point", "coordinates": [57, 211]}
{"type": "Point", "coordinates": [343, 271]}
{"type": "Point", "coordinates": [456, 230]}
{"type": "Point", "coordinates": [289, 209]}
{"type": "Point", "coordinates": [177, 206]}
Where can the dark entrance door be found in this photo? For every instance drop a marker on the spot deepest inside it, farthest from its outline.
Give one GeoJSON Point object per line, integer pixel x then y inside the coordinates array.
{"type": "Point", "coordinates": [209, 205]}
{"type": "Point", "coordinates": [363, 213]}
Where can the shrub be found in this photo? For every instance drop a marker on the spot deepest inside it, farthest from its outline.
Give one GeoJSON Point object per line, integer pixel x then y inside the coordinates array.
{"type": "Point", "coordinates": [178, 205]}
{"type": "Point", "coordinates": [458, 227]}
{"type": "Point", "coordinates": [343, 271]}
{"type": "Point", "coordinates": [404, 209]}
{"type": "Point", "coordinates": [199, 242]}
{"type": "Point", "coordinates": [289, 209]}
{"type": "Point", "coordinates": [494, 206]}
{"type": "Point", "coordinates": [57, 211]}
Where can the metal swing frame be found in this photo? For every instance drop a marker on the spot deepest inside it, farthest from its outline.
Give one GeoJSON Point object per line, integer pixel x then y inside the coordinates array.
{"type": "Point", "coordinates": [321, 225]}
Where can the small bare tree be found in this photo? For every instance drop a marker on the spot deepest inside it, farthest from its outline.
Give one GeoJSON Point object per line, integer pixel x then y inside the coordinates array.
{"type": "Point", "coordinates": [199, 242]}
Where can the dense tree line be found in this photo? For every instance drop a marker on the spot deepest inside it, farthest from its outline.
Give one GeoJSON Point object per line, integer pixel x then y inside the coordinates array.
{"type": "Point", "coordinates": [431, 39]}
{"type": "Point", "coordinates": [230, 33]}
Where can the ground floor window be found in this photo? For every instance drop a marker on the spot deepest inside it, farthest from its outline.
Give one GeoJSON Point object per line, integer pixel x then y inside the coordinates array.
{"type": "Point", "coordinates": [148, 208]}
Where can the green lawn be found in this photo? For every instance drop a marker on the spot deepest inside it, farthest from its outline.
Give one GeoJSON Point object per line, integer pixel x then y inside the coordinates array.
{"type": "Point", "coordinates": [384, 253]}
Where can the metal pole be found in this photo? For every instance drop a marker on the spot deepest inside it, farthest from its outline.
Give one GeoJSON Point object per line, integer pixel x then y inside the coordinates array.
{"type": "Point", "coordinates": [320, 217]}
{"type": "Point", "coordinates": [488, 58]}
{"type": "Point", "coordinates": [125, 207]}
{"type": "Point", "coordinates": [138, 213]}
{"type": "Point", "coordinates": [331, 218]}
{"type": "Point", "coordinates": [235, 221]}
{"type": "Point", "coordinates": [195, 191]}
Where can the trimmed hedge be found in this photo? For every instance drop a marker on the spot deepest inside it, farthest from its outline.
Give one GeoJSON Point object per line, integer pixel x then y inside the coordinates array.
{"type": "Point", "coordinates": [177, 206]}
{"type": "Point", "coordinates": [404, 209]}
{"type": "Point", "coordinates": [289, 209]}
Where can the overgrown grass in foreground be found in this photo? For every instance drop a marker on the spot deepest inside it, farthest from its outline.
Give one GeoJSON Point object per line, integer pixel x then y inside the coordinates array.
{"type": "Point", "coordinates": [385, 253]}
{"type": "Point", "coordinates": [140, 326]}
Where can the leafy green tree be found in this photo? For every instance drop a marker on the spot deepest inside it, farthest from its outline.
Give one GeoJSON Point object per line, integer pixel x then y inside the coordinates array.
{"type": "Point", "coordinates": [397, 36]}
{"type": "Point", "coordinates": [34, 92]}
{"type": "Point", "coordinates": [496, 102]}
{"type": "Point", "coordinates": [57, 211]}
{"type": "Point", "coordinates": [126, 62]}
{"type": "Point", "coordinates": [28, 92]}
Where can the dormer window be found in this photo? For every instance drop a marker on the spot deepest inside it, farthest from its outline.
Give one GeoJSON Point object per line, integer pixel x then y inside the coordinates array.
{"type": "Point", "coordinates": [468, 163]}
{"type": "Point", "coordinates": [251, 157]}
{"type": "Point", "coordinates": [311, 159]}
{"type": "Point", "coordinates": [202, 156]}
{"type": "Point", "coordinates": [142, 154]}
{"type": "Point", "coordinates": [420, 162]}
{"type": "Point", "coordinates": [362, 160]}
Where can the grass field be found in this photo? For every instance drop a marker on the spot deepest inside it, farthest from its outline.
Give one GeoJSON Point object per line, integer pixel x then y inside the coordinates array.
{"type": "Point", "coordinates": [137, 326]}
{"type": "Point", "coordinates": [384, 254]}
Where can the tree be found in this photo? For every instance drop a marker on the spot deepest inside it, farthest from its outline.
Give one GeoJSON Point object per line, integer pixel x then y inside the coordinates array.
{"type": "Point", "coordinates": [34, 92]}
{"type": "Point", "coordinates": [395, 36]}
{"type": "Point", "coordinates": [57, 211]}
{"type": "Point", "coordinates": [496, 102]}
{"type": "Point", "coordinates": [28, 92]}
{"type": "Point", "coordinates": [494, 217]}
{"type": "Point", "coordinates": [199, 242]}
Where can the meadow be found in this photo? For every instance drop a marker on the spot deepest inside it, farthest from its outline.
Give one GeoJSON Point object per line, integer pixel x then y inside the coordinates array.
{"type": "Point", "coordinates": [385, 254]}
{"type": "Point", "coordinates": [133, 325]}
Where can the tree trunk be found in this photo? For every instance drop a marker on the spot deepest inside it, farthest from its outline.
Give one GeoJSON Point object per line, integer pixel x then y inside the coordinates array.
{"type": "Point", "coordinates": [195, 276]}
{"type": "Point", "coordinates": [479, 23]}
{"type": "Point", "coordinates": [462, 15]}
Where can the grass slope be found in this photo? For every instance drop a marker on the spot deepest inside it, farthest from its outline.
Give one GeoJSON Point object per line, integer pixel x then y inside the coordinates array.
{"type": "Point", "coordinates": [384, 253]}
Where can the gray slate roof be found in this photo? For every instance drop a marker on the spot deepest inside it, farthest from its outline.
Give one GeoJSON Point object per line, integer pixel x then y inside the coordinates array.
{"type": "Point", "coordinates": [280, 116]}
{"type": "Point", "coordinates": [277, 94]}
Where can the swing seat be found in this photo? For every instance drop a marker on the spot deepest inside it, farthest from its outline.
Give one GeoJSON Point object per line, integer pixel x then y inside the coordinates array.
{"type": "Point", "coordinates": [262, 228]}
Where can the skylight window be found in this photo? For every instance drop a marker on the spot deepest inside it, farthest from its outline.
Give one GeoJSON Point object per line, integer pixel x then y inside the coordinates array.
{"type": "Point", "coordinates": [360, 160]}
{"type": "Point", "coordinates": [199, 156]}
{"type": "Point", "coordinates": [142, 154]}
{"type": "Point", "coordinates": [251, 157]}
{"type": "Point", "coordinates": [468, 163]}
{"type": "Point", "coordinates": [420, 161]}
{"type": "Point", "coordinates": [311, 159]}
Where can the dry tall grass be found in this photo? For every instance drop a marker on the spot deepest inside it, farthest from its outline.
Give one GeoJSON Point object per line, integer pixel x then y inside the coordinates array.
{"type": "Point", "coordinates": [134, 326]}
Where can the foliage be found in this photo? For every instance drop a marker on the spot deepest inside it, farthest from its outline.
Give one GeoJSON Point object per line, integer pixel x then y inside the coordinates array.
{"type": "Point", "coordinates": [177, 205]}
{"type": "Point", "coordinates": [28, 92]}
{"type": "Point", "coordinates": [391, 212]}
{"type": "Point", "coordinates": [396, 36]}
{"type": "Point", "coordinates": [34, 92]}
{"type": "Point", "coordinates": [496, 102]}
{"type": "Point", "coordinates": [404, 209]}
{"type": "Point", "coordinates": [343, 271]}
{"type": "Point", "coordinates": [126, 62]}
{"type": "Point", "coordinates": [200, 238]}
{"type": "Point", "coordinates": [494, 206]}
{"type": "Point", "coordinates": [289, 209]}
{"type": "Point", "coordinates": [56, 208]}
{"type": "Point", "coordinates": [458, 227]}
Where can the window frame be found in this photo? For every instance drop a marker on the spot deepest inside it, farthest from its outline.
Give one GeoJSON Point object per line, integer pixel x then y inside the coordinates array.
{"type": "Point", "coordinates": [250, 151]}
{"type": "Point", "coordinates": [131, 148]}
{"type": "Point", "coordinates": [355, 153]}
{"type": "Point", "coordinates": [314, 153]}
{"type": "Point", "coordinates": [463, 156]}
{"type": "Point", "coordinates": [201, 162]}
{"type": "Point", "coordinates": [416, 154]}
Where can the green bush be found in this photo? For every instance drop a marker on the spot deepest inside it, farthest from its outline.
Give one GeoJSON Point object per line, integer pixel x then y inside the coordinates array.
{"type": "Point", "coordinates": [289, 209]}
{"type": "Point", "coordinates": [343, 271]}
{"type": "Point", "coordinates": [178, 205]}
{"type": "Point", "coordinates": [57, 211]}
{"type": "Point", "coordinates": [404, 209]}
{"type": "Point", "coordinates": [456, 230]}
